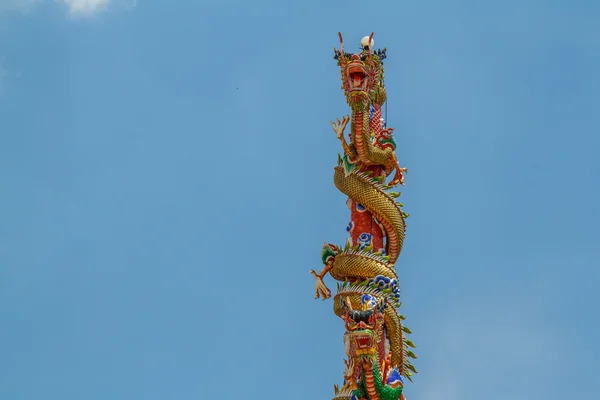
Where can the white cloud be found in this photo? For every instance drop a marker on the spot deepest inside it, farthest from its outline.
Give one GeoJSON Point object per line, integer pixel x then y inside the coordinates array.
{"type": "Point", "coordinates": [84, 8]}
{"type": "Point", "coordinates": [76, 8]}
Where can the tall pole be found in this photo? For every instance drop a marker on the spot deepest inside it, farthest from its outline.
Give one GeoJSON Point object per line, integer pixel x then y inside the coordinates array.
{"type": "Point", "coordinates": [378, 352]}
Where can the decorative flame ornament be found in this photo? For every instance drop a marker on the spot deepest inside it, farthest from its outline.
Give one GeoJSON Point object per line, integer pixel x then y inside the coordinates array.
{"type": "Point", "coordinates": [368, 296]}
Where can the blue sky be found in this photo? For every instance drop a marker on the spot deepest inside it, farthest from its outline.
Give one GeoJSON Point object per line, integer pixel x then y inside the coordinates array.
{"type": "Point", "coordinates": [166, 179]}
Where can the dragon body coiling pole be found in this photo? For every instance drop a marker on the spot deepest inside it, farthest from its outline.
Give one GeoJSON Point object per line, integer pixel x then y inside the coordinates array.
{"type": "Point", "coordinates": [368, 293]}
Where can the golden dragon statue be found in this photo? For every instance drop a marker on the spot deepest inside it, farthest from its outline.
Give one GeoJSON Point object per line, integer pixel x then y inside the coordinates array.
{"type": "Point", "coordinates": [379, 353]}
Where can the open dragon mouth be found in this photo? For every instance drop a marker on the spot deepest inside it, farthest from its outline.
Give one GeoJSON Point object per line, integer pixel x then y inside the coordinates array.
{"type": "Point", "coordinates": [357, 77]}
{"type": "Point", "coordinates": [363, 341]}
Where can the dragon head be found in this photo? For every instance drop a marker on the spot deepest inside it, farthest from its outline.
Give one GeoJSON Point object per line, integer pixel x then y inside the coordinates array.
{"type": "Point", "coordinates": [364, 340]}
{"type": "Point", "coordinates": [362, 74]}
{"type": "Point", "coordinates": [368, 369]}
{"type": "Point", "coordinates": [364, 330]}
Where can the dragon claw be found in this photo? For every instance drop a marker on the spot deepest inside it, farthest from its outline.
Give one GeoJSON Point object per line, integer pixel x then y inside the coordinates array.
{"type": "Point", "coordinates": [339, 126]}
{"type": "Point", "coordinates": [321, 290]}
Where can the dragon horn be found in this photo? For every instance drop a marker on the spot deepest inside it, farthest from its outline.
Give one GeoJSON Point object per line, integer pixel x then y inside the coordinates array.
{"type": "Point", "coordinates": [341, 56]}
{"type": "Point", "coordinates": [370, 39]}
{"type": "Point", "coordinates": [349, 303]}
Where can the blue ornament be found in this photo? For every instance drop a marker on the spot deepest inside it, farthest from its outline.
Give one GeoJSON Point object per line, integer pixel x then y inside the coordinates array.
{"type": "Point", "coordinates": [394, 377]}
{"type": "Point", "coordinates": [364, 240]}
{"type": "Point", "coordinates": [350, 227]}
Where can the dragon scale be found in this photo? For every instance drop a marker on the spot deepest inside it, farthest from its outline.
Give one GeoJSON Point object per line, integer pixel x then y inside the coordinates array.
{"type": "Point", "coordinates": [367, 299]}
